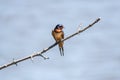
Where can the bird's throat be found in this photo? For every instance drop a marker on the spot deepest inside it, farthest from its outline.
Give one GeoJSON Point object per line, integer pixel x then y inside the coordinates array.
{"type": "Point", "coordinates": [58, 30]}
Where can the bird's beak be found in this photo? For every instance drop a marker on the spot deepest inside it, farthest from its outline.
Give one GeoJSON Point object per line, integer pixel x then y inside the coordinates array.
{"type": "Point", "coordinates": [63, 27]}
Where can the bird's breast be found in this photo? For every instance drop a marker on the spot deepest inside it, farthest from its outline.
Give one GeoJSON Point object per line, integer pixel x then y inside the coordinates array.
{"type": "Point", "coordinates": [57, 36]}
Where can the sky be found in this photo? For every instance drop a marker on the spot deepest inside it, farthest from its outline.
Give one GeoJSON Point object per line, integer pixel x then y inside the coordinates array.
{"type": "Point", "coordinates": [25, 28]}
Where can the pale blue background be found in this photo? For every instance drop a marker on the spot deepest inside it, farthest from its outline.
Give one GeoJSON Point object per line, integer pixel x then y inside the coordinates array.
{"type": "Point", "coordinates": [25, 27]}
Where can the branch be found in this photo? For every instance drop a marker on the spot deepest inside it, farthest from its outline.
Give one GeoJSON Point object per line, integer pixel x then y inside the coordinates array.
{"type": "Point", "coordinates": [39, 53]}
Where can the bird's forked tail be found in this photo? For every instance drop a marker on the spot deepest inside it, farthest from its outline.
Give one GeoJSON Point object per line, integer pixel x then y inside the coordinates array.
{"type": "Point", "coordinates": [61, 48]}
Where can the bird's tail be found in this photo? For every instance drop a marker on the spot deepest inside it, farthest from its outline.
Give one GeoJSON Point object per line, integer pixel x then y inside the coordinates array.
{"type": "Point", "coordinates": [61, 48]}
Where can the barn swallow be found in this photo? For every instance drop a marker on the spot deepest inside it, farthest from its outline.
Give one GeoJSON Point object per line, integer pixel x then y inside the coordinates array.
{"type": "Point", "coordinates": [58, 35]}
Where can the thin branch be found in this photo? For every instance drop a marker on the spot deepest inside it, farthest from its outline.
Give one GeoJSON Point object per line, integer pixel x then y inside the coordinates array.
{"type": "Point", "coordinates": [39, 53]}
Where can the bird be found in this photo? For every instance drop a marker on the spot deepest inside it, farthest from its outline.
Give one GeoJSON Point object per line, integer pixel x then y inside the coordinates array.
{"type": "Point", "coordinates": [58, 35]}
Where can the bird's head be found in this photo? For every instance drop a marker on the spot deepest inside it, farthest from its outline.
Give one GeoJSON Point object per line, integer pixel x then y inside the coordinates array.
{"type": "Point", "coordinates": [58, 28]}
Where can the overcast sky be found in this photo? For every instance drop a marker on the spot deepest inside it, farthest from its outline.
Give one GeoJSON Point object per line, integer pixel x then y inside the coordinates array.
{"type": "Point", "coordinates": [25, 28]}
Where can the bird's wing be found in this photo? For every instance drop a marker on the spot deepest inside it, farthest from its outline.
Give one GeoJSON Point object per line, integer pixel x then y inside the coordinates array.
{"type": "Point", "coordinates": [62, 35]}
{"type": "Point", "coordinates": [53, 34]}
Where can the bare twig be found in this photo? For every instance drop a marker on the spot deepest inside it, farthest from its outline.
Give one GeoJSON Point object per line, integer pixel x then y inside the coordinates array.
{"type": "Point", "coordinates": [39, 53]}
